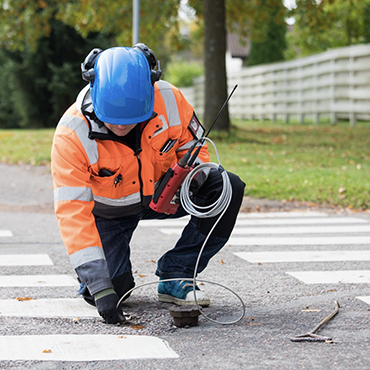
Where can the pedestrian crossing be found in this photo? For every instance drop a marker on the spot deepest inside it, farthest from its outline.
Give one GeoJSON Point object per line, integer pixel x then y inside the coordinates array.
{"type": "Point", "coordinates": [66, 347]}
{"type": "Point", "coordinates": [288, 237]}
{"type": "Point", "coordinates": [282, 230]}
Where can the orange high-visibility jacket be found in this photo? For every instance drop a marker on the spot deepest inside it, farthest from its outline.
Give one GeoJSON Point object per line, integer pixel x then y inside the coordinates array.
{"type": "Point", "coordinates": [83, 147]}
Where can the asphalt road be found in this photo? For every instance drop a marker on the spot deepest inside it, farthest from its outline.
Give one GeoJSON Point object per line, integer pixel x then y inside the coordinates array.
{"type": "Point", "coordinates": [278, 304]}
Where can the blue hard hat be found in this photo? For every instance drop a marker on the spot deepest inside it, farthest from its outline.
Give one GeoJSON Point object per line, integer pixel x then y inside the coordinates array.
{"type": "Point", "coordinates": [122, 92]}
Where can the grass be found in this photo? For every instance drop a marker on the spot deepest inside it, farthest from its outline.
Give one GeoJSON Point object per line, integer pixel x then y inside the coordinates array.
{"type": "Point", "coordinates": [26, 146]}
{"type": "Point", "coordinates": [322, 164]}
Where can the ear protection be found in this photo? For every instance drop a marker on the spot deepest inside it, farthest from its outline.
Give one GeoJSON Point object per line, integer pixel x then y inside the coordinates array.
{"type": "Point", "coordinates": [150, 57]}
{"type": "Point", "coordinates": [87, 67]}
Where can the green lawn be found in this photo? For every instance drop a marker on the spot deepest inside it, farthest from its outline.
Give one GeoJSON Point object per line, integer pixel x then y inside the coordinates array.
{"type": "Point", "coordinates": [317, 163]}
{"type": "Point", "coordinates": [26, 146]}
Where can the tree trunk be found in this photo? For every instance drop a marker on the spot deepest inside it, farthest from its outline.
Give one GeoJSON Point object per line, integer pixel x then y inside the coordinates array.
{"type": "Point", "coordinates": [215, 64]}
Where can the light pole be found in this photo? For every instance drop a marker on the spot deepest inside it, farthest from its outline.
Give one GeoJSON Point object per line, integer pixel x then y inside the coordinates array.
{"type": "Point", "coordinates": [135, 21]}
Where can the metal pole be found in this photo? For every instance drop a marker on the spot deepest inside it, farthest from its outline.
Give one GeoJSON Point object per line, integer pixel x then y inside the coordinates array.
{"type": "Point", "coordinates": [135, 21]}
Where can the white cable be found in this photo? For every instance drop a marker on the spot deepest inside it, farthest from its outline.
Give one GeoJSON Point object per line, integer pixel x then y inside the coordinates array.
{"type": "Point", "coordinates": [219, 207]}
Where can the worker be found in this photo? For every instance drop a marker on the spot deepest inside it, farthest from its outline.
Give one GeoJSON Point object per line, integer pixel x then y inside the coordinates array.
{"type": "Point", "coordinates": [110, 150]}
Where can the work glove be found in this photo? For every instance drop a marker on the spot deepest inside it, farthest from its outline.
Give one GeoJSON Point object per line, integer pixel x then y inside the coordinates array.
{"type": "Point", "coordinates": [106, 304]}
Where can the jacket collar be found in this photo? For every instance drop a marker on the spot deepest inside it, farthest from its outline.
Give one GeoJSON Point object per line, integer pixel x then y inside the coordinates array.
{"type": "Point", "coordinates": [97, 129]}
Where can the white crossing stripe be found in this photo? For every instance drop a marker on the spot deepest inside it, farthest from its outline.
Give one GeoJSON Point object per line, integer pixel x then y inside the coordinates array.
{"type": "Point", "coordinates": [242, 216]}
{"type": "Point", "coordinates": [25, 260]}
{"type": "Point", "coordinates": [286, 230]}
{"type": "Point", "coordinates": [83, 347]}
{"type": "Point", "coordinates": [56, 307]}
{"type": "Point", "coordinates": [5, 233]}
{"type": "Point", "coordinates": [37, 280]}
{"type": "Point", "coordinates": [290, 214]}
{"type": "Point", "coordinates": [324, 240]}
{"type": "Point", "coordinates": [365, 299]}
{"type": "Point", "coordinates": [263, 221]}
{"type": "Point", "coordinates": [332, 277]}
{"type": "Point", "coordinates": [304, 256]}
{"type": "Point", "coordinates": [303, 230]}
{"type": "Point", "coordinates": [301, 221]}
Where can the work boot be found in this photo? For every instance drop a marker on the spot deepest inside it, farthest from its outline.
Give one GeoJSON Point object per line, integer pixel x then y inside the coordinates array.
{"type": "Point", "coordinates": [181, 292]}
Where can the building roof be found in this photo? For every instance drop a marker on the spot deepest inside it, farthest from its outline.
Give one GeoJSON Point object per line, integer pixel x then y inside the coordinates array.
{"type": "Point", "coordinates": [236, 49]}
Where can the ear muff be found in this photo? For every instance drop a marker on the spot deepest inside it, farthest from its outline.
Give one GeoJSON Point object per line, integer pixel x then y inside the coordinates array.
{"type": "Point", "coordinates": [87, 67]}
{"type": "Point", "coordinates": [155, 74]}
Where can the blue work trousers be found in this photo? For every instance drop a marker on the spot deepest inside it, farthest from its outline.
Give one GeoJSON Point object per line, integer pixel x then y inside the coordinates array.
{"type": "Point", "coordinates": [180, 261]}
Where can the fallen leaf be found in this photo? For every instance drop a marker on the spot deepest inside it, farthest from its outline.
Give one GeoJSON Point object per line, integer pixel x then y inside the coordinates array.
{"type": "Point", "coordinates": [46, 351]}
{"type": "Point", "coordinates": [122, 336]}
{"type": "Point", "coordinates": [253, 323]}
{"type": "Point", "coordinates": [222, 262]}
{"type": "Point", "coordinates": [141, 275]}
{"type": "Point", "coordinates": [341, 190]}
{"type": "Point", "coordinates": [137, 327]}
{"type": "Point", "coordinates": [23, 298]}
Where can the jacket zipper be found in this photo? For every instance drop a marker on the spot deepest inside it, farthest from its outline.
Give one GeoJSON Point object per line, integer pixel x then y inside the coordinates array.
{"type": "Point", "coordinates": [137, 154]}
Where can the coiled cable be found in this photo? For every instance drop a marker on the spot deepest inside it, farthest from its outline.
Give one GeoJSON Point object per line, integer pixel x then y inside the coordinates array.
{"type": "Point", "coordinates": [218, 208]}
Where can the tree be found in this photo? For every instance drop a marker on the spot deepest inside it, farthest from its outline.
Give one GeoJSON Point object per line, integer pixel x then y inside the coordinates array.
{"type": "Point", "coordinates": [37, 87]}
{"type": "Point", "coordinates": [24, 22]}
{"type": "Point", "coordinates": [214, 62]}
{"type": "Point", "coordinates": [328, 24]}
{"type": "Point", "coordinates": [269, 43]}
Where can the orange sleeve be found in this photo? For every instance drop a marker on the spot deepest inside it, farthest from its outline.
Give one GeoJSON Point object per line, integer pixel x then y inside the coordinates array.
{"type": "Point", "coordinates": [72, 190]}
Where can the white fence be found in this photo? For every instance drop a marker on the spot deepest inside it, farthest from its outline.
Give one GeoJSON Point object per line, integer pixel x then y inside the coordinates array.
{"type": "Point", "coordinates": [332, 85]}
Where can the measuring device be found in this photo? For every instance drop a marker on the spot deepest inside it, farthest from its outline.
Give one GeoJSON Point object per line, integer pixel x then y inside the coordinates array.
{"type": "Point", "coordinates": [166, 198]}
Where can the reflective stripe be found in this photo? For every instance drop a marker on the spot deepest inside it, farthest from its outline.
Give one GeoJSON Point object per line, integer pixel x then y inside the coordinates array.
{"type": "Point", "coordinates": [187, 146]}
{"type": "Point", "coordinates": [95, 127]}
{"type": "Point", "coordinates": [125, 201]}
{"type": "Point", "coordinates": [170, 103]}
{"type": "Point", "coordinates": [82, 131]}
{"type": "Point", "coordinates": [72, 193]}
{"type": "Point", "coordinates": [164, 126]}
{"type": "Point", "coordinates": [86, 255]}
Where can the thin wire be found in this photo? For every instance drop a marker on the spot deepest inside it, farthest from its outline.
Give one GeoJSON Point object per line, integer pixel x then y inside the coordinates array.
{"type": "Point", "coordinates": [191, 279]}
{"type": "Point", "coordinates": [219, 207]}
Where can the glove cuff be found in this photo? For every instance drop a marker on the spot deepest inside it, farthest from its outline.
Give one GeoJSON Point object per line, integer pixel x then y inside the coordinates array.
{"type": "Point", "coordinates": [104, 293]}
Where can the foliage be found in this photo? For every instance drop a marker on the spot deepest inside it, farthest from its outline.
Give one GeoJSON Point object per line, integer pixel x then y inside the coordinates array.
{"type": "Point", "coordinates": [182, 73]}
{"type": "Point", "coordinates": [321, 164]}
{"type": "Point", "coordinates": [24, 22]}
{"type": "Point", "coordinates": [328, 24]}
{"type": "Point", "coordinates": [39, 86]}
{"type": "Point", "coordinates": [270, 44]}
{"type": "Point", "coordinates": [41, 55]}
